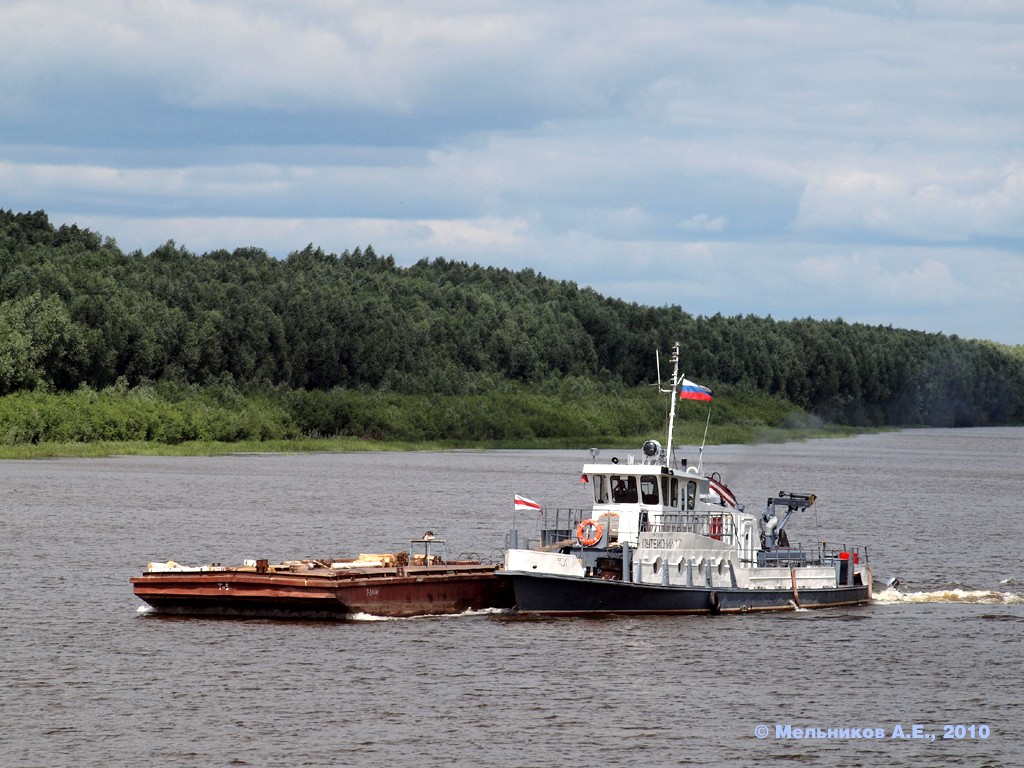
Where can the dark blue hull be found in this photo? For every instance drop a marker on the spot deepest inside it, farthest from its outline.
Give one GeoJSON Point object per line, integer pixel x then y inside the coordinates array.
{"type": "Point", "coordinates": [571, 596]}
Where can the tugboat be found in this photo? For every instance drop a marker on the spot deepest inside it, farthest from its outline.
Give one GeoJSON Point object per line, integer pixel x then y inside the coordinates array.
{"type": "Point", "coordinates": [664, 538]}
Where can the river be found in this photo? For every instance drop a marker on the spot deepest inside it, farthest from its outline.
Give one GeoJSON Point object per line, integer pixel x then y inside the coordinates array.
{"type": "Point", "coordinates": [91, 679]}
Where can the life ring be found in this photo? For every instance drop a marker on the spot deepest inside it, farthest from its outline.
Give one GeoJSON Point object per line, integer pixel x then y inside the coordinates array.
{"type": "Point", "coordinates": [581, 533]}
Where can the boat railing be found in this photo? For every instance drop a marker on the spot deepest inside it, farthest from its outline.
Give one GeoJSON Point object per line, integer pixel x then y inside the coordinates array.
{"type": "Point", "coordinates": [551, 529]}
{"type": "Point", "coordinates": [829, 553]}
{"type": "Point", "coordinates": [714, 525]}
{"type": "Point", "coordinates": [824, 553]}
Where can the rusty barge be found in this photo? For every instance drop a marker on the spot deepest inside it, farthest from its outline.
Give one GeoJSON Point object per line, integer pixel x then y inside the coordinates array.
{"type": "Point", "coordinates": [392, 585]}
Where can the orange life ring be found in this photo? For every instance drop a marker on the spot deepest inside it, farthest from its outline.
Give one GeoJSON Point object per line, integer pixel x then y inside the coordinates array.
{"type": "Point", "coordinates": [581, 533]}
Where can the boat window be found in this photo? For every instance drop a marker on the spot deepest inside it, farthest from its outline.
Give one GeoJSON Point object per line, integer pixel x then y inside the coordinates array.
{"type": "Point", "coordinates": [601, 489]}
{"type": "Point", "coordinates": [691, 494]}
{"type": "Point", "coordinates": [624, 489]}
{"type": "Point", "coordinates": [649, 489]}
{"type": "Point", "coordinates": [670, 492]}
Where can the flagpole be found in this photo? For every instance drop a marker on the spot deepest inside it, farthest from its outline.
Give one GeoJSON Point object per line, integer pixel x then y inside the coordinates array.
{"type": "Point", "coordinates": [700, 454]}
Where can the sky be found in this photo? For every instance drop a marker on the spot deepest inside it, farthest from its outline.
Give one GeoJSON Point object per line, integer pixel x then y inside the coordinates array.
{"type": "Point", "coordinates": [853, 159]}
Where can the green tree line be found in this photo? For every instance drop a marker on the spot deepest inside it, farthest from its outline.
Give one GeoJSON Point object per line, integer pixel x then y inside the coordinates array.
{"type": "Point", "coordinates": [77, 312]}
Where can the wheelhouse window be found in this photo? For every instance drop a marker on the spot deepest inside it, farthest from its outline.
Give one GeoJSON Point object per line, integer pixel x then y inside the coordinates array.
{"type": "Point", "coordinates": [670, 491]}
{"type": "Point", "coordinates": [691, 494]}
{"type": "Point", "coordinates": [624, 489]}
{"type": "Point", "coordinates": [601, 495]}
{"type": "Point", "coordinates": [649, 489]}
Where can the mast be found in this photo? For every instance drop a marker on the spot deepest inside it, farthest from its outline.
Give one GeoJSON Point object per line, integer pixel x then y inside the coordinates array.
{"type": "Point", "coordinates": [674, 385]}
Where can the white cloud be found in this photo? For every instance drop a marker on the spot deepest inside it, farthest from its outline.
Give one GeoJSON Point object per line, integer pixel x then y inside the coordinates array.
{"type": "Point", "coordinates": [891, 276]}
{"type": "Point", "coordinates": [207, 55]}
{"type": "Point", "coordinates": [736, 157]}
{"type": "Point", "coordinates": [918, 202]}
{"type": "Point", "coordinates": [702, 222]}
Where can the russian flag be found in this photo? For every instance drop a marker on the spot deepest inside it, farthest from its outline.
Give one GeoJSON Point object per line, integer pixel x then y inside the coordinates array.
{"type": "Point", "coordinates": [691, 391]}
{"type": "Point", "coordinates": [523, 504]}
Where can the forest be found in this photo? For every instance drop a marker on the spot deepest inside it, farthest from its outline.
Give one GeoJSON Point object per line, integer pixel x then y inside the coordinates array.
{"type": "Point", "coordinates": [319, 338]}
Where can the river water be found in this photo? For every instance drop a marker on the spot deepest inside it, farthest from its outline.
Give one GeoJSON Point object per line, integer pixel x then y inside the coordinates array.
{"type": "Point", "coordinates": [89, 679]}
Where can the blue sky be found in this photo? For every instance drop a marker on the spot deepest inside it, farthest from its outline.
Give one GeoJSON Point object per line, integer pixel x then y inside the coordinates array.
{"type": "Point", "coordinates": [858, 159]}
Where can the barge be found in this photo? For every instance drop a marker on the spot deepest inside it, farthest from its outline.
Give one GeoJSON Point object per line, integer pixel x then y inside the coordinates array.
{"type": "Point", "coordinates": [391, 585]}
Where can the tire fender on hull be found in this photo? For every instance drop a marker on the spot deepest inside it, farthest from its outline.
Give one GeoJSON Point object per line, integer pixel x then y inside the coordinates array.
{"type": "Point", "coordinates": [714, 602]}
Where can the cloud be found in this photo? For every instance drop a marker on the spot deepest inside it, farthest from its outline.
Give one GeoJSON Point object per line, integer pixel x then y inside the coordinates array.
{"type": "Point", "coordinates": [884, 276]}
{"type": "Point", "coordinates": [702, 222]}
{"type": "Point", "coordinates": [918, 202]}
{"type": "Point", "coordinates": [808, 157]}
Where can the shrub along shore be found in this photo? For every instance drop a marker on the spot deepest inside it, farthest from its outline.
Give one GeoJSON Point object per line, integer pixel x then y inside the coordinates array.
{"type": "Point", "coordinates": [178, 420]}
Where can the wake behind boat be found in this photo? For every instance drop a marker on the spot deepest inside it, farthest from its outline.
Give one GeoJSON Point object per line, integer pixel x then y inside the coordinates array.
{"type": "Point", "coordinates": [662, 538]}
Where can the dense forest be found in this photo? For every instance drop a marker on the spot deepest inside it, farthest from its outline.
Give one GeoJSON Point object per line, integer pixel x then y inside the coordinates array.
{"type": "Point", "coordinates": [76, 312]}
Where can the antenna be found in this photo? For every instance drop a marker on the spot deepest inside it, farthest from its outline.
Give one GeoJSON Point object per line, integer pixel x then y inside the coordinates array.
{"type": "Point", "coordinates": [700, 453]}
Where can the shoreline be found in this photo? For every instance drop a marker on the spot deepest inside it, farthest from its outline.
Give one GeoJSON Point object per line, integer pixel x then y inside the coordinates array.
{"type": "Point", "coordinates": [108, 449]}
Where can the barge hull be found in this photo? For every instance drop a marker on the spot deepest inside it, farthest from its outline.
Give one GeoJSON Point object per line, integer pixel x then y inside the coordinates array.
{"type": "Point", "coordinates": [390, 592]}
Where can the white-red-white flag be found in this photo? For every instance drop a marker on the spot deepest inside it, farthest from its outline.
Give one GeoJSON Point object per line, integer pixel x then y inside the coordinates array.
{"type": "Point", "coordinates": [523, 504]}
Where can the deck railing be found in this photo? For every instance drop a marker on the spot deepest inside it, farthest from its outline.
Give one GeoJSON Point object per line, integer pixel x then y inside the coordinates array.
{"type": "Point", "coordinates": [550, 528]}
{"type": "Point", "coordinates": [716, 525]}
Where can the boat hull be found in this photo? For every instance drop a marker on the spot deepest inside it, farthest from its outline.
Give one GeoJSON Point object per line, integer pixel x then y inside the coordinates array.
{"type": "Point", "coordinates": [391, 592]}
{"type": "Point", "coordinates": [573, 596]}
